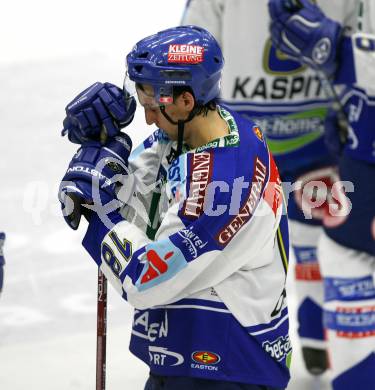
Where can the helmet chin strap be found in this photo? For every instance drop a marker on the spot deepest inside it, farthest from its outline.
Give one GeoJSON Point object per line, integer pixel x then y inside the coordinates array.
{"type": "Point", "coordinates": [180, 127]}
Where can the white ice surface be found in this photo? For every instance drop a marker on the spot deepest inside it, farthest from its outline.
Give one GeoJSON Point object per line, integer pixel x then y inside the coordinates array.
{"type": "Point", "coordinates": [51, 51]}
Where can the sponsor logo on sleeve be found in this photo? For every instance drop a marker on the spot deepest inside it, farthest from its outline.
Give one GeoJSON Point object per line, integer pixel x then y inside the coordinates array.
{"type": "Point", "coordinates": [185, 54]}
{"type": "Point", "coordinates": [192, 241]}
{"type": "Point", "coordinates": [247, 210]}
{"type": "Point", "coordinates": [201, 171]}
{"type": "Point", "coordinates": [156, 265]}
{"type": "Point", "coordinates": [161, 261]}
{"type": "Point", "coordinates": [272, 194]}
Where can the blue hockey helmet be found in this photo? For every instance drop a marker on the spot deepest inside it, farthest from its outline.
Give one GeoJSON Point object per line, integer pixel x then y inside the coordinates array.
{"type": "Point", "coordinates": [181, 56]}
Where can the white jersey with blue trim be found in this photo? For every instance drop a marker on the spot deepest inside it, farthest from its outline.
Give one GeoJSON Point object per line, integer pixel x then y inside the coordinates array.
{"type": "Point", "coordinates": [206, 271]}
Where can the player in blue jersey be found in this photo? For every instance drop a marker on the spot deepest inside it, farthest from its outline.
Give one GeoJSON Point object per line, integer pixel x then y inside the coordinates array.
{"type": "Point", "coordinates": [193, 232]}
{"type": "Point", "coordinates": [347, 249]}
{"type": "Point", "coordinates": [2, 260]}
{"type": "Point", "coordinates": [287, 100]}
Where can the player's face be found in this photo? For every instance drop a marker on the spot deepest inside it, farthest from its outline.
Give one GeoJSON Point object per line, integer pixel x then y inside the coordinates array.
{"type": "Point", "coordinates": [153, 114]}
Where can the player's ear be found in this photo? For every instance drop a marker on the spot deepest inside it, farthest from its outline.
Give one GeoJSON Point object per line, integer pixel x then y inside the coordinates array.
{"type": "Point", "coordinates": [187, 100]}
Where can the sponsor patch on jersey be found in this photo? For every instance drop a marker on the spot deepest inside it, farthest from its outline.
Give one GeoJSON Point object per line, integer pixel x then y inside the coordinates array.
{"type": "Point", "coordinates": [258, 132]}
{"type": "Point", "coordinates": [161, 356]}
{"type": "Point", "coordinates": [185, 54]}
{"type": "Point", "coordinates": [205, 357]}
{"type": "Point", "coordinates": [349, 289]}
{"type": "Point", "coordinates": [351, 322]}
{"type": "Point", "coordinates": [247, 209]}
{"type": "Point", "coordinates": [157, 265]}
{"type": "Point", "coordinates": [147, 324]}
{"type": "Point", "coordinates": [176, 177]}
{"type": "Point", "coordinates": [192, 241]}
{"type": "Point", "coordinates": [161, 260]}
{"type": "Point", "coordinates": [279, 348]}
{"type": "Point", "coordinates": [305, 254]}
{"type": "Point", "coordinates": [201, 172]}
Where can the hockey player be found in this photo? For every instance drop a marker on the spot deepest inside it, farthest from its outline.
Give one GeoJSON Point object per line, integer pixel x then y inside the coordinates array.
{"type": "Point", "coordinates": [2, 260]}
{"type": "Point", "coordinates": [347, 249]}
{"type": "Point", "coordinates": [206, 267]}
{"type": "Point", "coordinates": [286, 99]}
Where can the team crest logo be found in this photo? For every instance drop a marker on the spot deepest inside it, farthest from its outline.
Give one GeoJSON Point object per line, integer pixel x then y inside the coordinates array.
{"type": "Point", "coordinates": [205, 357]}
{"type": "Point", "coordinates": [277, 63]}
{"type": "Point", "coordinates": [258, 132]}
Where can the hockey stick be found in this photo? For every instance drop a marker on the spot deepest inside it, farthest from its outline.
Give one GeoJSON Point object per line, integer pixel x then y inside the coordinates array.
{"type": "Point", "coordinates": [101, 332]}
{"type": "Point", "coordinates": [328, 88]}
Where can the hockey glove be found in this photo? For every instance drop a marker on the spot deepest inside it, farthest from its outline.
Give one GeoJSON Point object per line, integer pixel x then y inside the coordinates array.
{"type": "Point", "coordinates": [93, 178]}
{"type": "Point", "coordinates": [98, 113]}
{"type": "Point", "coordinates": [301, 30]}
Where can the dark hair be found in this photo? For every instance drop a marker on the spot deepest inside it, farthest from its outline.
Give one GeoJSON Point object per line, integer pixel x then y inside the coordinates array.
{"type": "Point", "coordinates": [199, 109]}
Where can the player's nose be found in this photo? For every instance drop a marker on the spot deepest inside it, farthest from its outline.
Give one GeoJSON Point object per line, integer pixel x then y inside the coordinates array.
{"type": "Point", "coordinates": [150, 116]}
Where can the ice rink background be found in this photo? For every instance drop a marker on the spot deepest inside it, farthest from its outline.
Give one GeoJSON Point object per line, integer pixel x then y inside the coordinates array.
{"type": "Point", "coordinates": [49, 52]}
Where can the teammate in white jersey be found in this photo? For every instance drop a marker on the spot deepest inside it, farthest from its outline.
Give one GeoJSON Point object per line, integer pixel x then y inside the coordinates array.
{"type": "Point", "coordinates": [287, 100]}
{"type": "Point", "coordinates": [347, 248]}
{"type": "Point", "coordinates": [195, 235]}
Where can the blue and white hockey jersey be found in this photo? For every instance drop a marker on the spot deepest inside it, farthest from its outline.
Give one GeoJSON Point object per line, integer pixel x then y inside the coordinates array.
{"type": "Point", "coordinates": [201, 252]}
